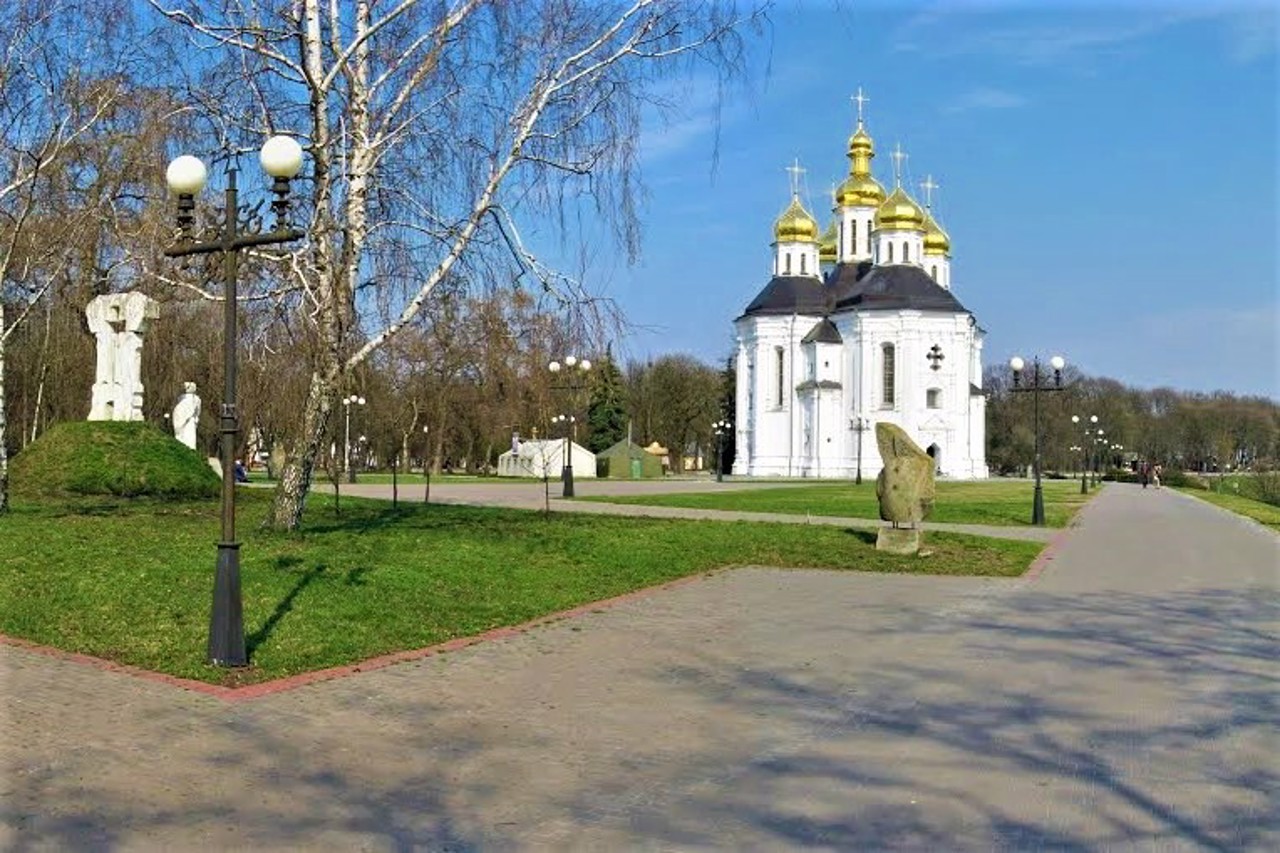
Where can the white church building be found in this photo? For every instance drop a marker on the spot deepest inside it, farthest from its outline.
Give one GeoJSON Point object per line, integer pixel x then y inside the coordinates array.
{"type": "Point", "coordinates": [856, 327]}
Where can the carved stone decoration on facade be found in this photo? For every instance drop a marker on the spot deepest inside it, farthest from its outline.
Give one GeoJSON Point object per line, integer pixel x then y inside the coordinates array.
{"type": "Point", "coordinates": [118, 321]}
{"type": "Point", "coordinates": [905, 489]}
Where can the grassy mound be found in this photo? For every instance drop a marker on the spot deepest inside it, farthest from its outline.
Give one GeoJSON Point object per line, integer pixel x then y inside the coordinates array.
{"type": "Point", "coordinates": [110, 458]}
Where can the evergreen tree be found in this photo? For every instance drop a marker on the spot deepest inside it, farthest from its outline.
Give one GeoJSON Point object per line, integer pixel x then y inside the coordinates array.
{"type": "Point", "coordinates": [728, 412]}
{"type": "Point", "coordinates": [606, 416]}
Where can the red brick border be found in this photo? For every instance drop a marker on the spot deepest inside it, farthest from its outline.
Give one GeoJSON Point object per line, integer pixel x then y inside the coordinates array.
{"type": "Point", "coordinates": [1041, 563]}
{"type": "Point", "coordinates": [266, 688]}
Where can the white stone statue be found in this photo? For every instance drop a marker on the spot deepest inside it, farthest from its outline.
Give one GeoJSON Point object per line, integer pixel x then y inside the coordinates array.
{"type": "Point", "coordinates": [118, 320]}
{"type": "Point", "coordinates": [186, 414]}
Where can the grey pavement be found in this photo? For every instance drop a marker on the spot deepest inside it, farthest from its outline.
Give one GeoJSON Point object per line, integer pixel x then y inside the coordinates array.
{"type": "Point", "coordinates": [534, 496]}
{"type": "Point", "coordinates": [1123, 699]}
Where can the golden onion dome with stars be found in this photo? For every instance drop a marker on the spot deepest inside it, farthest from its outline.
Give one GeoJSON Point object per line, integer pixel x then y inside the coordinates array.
{"type": "Point", "coordinates": [899, 212]}
{"type": "Point", "coordinates": [936, 241]}
{"type": "Point", "coordinates": [795, 225]}
{"type": "Point", "coordinates": [827, 245]}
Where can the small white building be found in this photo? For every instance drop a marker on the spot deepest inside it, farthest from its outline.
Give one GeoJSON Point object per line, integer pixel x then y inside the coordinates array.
{"type": "Point", "coordinates": [858, 327]}
{"type": "Point", "coordinates": [545, 458]}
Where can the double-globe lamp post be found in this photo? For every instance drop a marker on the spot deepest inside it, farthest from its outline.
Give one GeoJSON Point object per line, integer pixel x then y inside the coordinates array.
{"type": "Point", "coordinates": [721, 428]}
{"type": "Point", "coordinates": [573, 374]}
{"type": "Point", "coordinates": [233, 229]}
{"type": "Point", "coordinates": [1039, 383]}
{"type": "Point", "coordinates": [1088, 439]}
{"type": "Point", "coordinates": [347, 403]}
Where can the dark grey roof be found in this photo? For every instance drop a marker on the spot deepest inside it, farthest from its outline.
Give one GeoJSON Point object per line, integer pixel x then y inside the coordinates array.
{"type": "Point", "coordinates": [785, 294]}
{"type": "Point", "coordinates": [825, 332]}
{"type": "Point", "coordinates": [891, 287]}
{"type": "Point", "coordinates": [974, 390]}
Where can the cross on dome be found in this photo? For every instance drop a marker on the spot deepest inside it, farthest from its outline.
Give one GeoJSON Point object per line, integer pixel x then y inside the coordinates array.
{"type": "Point", "coordinates": [928, 185]}
{"type": "Point", "coordinates": [860, 99]}
{"type": "Point", "coordinates": [898, 156]}
{"type": "Point", "coordinates": [796, 171]}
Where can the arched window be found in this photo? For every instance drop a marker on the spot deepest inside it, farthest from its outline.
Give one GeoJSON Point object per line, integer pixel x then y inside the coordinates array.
{"type": "Point", "coordinates": [906, 252]}
{"type": "Point", "coordinates": [868, 237]}
{"type": "Point", "coordinates": [781, 366]}
{"type": "Point", "coordinates": [935, 272]}
{"type": "Point", "coordinates": [890, 245]}
{"type": "Point", "coordinates": [841, 243]}
{"type": "Point", "coordinates": [786, 268]}
{"type": "Point", "coordinates": [887, 399]}
{"type": "Point", "coordinates": [853, 236]}
{"type": "Point", "coordinates": [803, 265]}
{"type": "Point", "coordinates": [933, 398]}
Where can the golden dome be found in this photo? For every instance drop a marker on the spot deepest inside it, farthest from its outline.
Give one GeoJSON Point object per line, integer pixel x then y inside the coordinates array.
{"type": "Point", "coordinates": [860, 191]}
{"type": "Point", "coordinates": [795, 225]}
{"type": "Point", "coordinates": [899, 213]}
{"type": "Point", "coordinates": [936, 241]}
{"type": "Point", "coordinates": [827, 245]}
{"type": "Point", "coordinates": [860, 143]}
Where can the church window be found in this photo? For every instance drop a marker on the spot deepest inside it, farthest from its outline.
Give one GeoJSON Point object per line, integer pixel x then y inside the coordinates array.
{"type": "Point", "coordinates": [933, 398]}
{"type": "Point", "coordinates": [787, 265]}
{"type": "Point", "coordinates": [868, 238]}
{"type": "Point", "coordinates": [803, 265]}
{"type": "Point", "coordinates": [890, 245]}
{"type": "Point", "coordinates": [853, 236]}
{"type": "Point", "coordinates": [935, 272]}
{"type": "Point", "coordinates": [906, 252]}
{"type": "Point", "coordinates": [777, 351]}
{"type": "Point", "coordinates": [887, 399]}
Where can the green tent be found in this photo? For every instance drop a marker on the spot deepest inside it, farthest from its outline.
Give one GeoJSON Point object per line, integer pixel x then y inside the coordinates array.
{"type": "Point", "coordinates": [627, 461]}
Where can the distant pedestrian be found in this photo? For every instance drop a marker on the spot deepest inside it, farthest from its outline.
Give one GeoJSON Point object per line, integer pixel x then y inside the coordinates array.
{"type": "Point", "coordinates": [1144, 474]}
{"type": "Point", "coordinates": [1155, 476]}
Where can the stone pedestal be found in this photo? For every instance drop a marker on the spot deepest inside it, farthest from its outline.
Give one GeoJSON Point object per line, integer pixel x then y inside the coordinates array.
{"type": "Point", "coordinates": [899, 540]}
{"type": "Point", "coordinates": [118, 321]}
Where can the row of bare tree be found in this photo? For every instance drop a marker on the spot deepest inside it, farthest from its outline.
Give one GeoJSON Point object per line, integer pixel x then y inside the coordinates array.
{"type": "Point", "coordinates": [443, 139]}
{"type": "Point", "coordinates": [1185, 430]}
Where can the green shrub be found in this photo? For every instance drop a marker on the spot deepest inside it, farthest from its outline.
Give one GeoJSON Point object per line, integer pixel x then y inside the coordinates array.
{"type": "Point", "coordinates": [110, 458]}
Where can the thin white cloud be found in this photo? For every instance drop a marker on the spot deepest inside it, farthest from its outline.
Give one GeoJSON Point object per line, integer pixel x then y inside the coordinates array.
{"type": "Point", "coordinates": [1252, 34]}
{"type": "Point", "coordinates": [985, 98]}
{"type": "Point", "coordinates": [938, 34]}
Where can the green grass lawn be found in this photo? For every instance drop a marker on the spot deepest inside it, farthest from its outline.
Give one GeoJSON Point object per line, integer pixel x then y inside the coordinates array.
{"type": "Point", "coordinates": [999, 502]}
{"type": "Point", "coordinates": [1257, 510]}
{"type": "Point", "coordinates": [132, 581]}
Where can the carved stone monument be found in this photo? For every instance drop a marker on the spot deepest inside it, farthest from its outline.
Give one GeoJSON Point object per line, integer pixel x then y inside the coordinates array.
{"type": "Point", "coordinates": [905, 488]}
{"type": "Point", "coordinates": [119, 320]}
{"type": "Point", "coordinates": [186, 414]}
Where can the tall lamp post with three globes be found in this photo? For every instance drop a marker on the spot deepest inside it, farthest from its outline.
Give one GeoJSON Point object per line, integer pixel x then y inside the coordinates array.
{"type": "Point", "coordinates": [232, 228]}
{"type": "Point", "coordinates": [1088, 439]}
{"type": "Point", "coordinates": [1039, 382]}
{"type": "Point", "coordinates": [573, 375]}
{"type": "Point", "coordinates": [721, 429]}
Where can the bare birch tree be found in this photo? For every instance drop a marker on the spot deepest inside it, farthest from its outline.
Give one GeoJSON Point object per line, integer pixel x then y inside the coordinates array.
{"type": "Point", "coordinates": [53, 98]}
{"type": "Point", "coordinates": [440, 134]}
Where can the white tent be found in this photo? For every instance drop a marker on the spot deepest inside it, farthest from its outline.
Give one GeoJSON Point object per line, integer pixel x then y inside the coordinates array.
{"type": "Point", "coordinates": [545, 458]}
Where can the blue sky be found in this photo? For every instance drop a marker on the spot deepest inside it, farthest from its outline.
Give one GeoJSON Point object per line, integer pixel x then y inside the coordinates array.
{"type": "Point", "coordinates": [1108, 174]}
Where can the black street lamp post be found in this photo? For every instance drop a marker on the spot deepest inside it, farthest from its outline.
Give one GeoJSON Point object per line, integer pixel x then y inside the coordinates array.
{"type": "Point", "coordinates": [426, 462]}
{"type": "Point", "coordinates": [1088, 440]}
{"type": "Point", "coordinates": [1039, 382]}
{"type": "Point", "coordinates": [860, 425]}
{"type": "Point", "coordinates": [721, 428]}
{"type": "Point", "coordinates": [234, 228]}
{"type": "Point", "coordinates": [347, 403]}
{"type": "Point", "coordinates": [574, 372]}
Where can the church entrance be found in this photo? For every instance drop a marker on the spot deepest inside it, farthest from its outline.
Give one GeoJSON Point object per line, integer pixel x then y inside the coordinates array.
{"type": "Point", "coordinates": [935, 452]}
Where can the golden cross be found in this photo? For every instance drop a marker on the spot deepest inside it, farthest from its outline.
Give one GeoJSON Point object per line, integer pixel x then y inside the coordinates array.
{"type": "Point", "coordinates": [929, 186]}
{"type": "Point", "coordinates": [860, 99]}
{"type": "Point", "coordinates": [796, 172]}
{"type": "Point", "coordinates": [898, 156]}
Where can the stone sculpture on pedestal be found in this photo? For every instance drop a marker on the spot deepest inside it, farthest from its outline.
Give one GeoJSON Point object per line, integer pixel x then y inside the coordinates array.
{"type": "Point", "coordinates": [186, 414]}
{"type": "Point", "coordinates": [905, 489]}
{"type": "Point", "coordinates": [119, 320]}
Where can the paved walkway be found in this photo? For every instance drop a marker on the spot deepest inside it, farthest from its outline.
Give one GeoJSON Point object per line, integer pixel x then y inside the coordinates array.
{"type": "Point", "coordinates": [533, 496]}
{"type": "Point", "coordinates": [1125, 698]}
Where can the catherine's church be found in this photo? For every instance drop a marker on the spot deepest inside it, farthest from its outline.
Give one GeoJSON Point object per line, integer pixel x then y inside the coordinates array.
{"type": "Point", "coordinates": [857, 326]}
